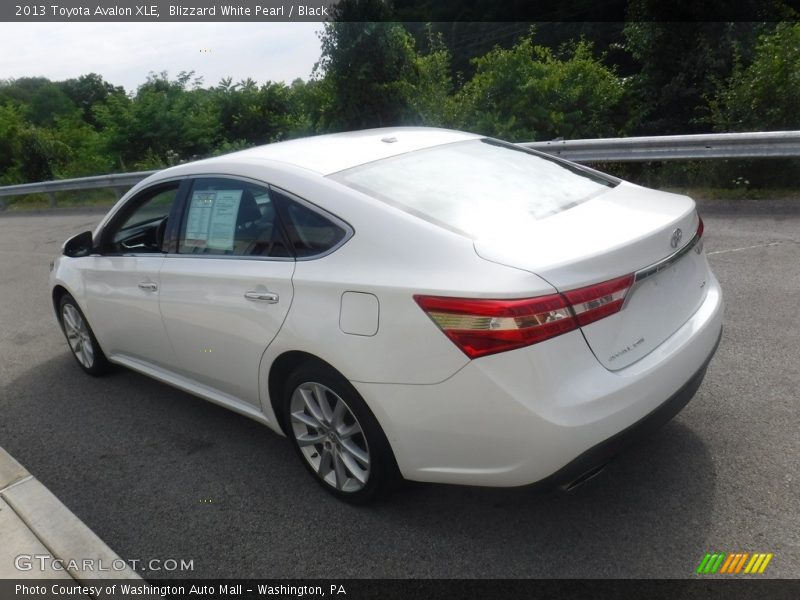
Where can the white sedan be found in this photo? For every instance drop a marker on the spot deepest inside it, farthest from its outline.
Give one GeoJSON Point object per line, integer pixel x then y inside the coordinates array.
{"type": "Point", "coordinates": [410, 302]}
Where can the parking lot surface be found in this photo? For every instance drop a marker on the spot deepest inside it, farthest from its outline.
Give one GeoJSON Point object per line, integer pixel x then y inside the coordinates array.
{"type": "Point", "coordinates": [159, 474]}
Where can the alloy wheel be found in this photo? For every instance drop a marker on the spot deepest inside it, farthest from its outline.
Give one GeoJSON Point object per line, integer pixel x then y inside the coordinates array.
{"type": "Point", "coordinates": [78, 336]}
{"type": "Point", "coordinates": [330, 437]}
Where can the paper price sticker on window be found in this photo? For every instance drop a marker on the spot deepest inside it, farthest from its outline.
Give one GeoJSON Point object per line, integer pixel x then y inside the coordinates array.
{"type": "Point", "coordinates": [211, 222]}
{"type": "Point", "coordinates": [198, 219]}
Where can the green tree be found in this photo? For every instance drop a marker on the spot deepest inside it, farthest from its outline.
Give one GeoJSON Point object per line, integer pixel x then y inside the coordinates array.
{"type": "Point", "coordinates": [431, 100]}
{"type": "Point", "coordinates": [366, 68]}
{"type": "Point", "coordinates": [42, 100]}
{"type": "Point", "coordinates": [529, 93]}
{"type": "Point", "coordinates": [469, 39]}
{"type": "Point", "coordinates": [682, 63]}
{"type": "Point", "coordinates": [308, 99]}
{"type": "Point", "coordinates": [765, 94]}
{"type": "Point", "coordinates": [88, 91]}
{"type": "Point", "coordinates": [253, 115]}
{"type": "Point", "coordinates": [40, 154]}
{"type": "Point", "coordinates": [84, 151]}
{"type": "Point", "coordinates": [29, 153]}
{"type": "Point", "coordinates": [12, 124]}
{"type": "Point", "coordinates": [166, 118]}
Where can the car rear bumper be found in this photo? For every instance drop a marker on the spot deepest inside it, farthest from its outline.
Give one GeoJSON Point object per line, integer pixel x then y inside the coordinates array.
{"type": "Point", "coordinates": [594, 459]}
{"type": "Point", "coordinates": [543, 414]}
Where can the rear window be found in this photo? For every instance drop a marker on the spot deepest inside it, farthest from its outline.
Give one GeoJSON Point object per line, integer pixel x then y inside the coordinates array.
{"type": "Point", "coordinates": [476, 187]}
{"type": "Point", "coordinates": [311, 233]}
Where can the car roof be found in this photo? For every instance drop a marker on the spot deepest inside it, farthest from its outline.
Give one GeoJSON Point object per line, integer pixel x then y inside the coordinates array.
{"type": "Point", "coordinates": [335, 152]}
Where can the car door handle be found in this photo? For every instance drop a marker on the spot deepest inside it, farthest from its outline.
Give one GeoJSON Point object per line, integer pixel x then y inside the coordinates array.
{"type": "Point", "coordinates": [267, 297]}
{"type": "Point", "coordinates": [148, 286]}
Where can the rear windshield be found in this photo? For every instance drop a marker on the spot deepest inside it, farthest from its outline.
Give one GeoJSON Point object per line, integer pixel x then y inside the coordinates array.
{"type": "Point", "coordinates": [476, 187]}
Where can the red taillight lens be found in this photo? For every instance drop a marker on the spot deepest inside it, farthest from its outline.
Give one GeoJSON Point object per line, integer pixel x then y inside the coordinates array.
{"type": "Point", "coordinates": [698, 247]}
{"type": "Point", "coordinates": [480, 327]}
{"type": "Point", "coordinates": [600, 300]}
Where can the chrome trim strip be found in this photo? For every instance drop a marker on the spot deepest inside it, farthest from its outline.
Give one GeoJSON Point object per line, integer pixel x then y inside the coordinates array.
{"type": "Point", "coordinates": [657, 267]}
{"type": "Point", "coordinates": [664, 263]}
{"type": "Point", "coordinates": [230, 257]}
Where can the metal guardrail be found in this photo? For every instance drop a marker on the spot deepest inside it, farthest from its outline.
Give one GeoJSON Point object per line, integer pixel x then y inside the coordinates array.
{"type": "Point", "coordinates": [119, 182]}
{"type": "Point", "coordinates": [771, 144]}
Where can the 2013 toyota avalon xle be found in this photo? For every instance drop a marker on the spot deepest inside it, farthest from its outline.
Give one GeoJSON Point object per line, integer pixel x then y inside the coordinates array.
{"type": "Point", "coordinates": [408, 302]}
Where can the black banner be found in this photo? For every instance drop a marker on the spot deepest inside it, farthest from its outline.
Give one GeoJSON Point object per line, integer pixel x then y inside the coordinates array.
{"type": "Point", "coordinates": [396, 10]}
{"type": "Point", "coordinates": [711, 588]}
{"type": "Point", "coordinates": [167, 10]}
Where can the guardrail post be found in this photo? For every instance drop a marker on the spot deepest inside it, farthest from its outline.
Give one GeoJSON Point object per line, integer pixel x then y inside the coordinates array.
{"type": "Point", "coordinates": [52, 197]}
{"type": "Point", "coordinates": [119, 192]}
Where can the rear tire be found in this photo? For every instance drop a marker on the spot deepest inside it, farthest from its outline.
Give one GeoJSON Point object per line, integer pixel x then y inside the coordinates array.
{"type": "Point", "coordinates": [80, 337]}
{"type": "Point", "coordinates": [335, 434]}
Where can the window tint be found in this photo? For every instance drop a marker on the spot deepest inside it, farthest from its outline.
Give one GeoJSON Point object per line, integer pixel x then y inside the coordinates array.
{"type": "Point", "coordinates": [157, 207]}
{"type": "Point", "coordinates": [309, 232]}
{"type": "Point", "coordinates": [142, 230]}
{"type": "Point", "coordinates": [230, 217]}
{"type": "Point", "coordinates": [477, 187]}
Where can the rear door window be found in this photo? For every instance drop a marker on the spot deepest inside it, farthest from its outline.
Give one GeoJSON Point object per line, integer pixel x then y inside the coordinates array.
{"type": "Point", "coordinates": [310, 231]}
{"type": "Point", "coordinates": [230, 217]}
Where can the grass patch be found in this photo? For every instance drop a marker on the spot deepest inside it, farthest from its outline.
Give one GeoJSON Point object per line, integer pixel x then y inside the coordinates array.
{"type": "Point", "coordinates": [716, 193]}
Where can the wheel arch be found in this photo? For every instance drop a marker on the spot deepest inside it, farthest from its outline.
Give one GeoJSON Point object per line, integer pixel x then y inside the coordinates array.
{"type": "Point", "coordinates": [280, 369]}
{"type": "Point", "coordinates": [58, 293]}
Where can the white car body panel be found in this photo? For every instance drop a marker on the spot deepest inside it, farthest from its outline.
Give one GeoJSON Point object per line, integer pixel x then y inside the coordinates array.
{"type": "Point", "coordinates": [611, 235]}
{"type": "Point", "coordinates": [505, 419]}
{"type": "Point", "coordinates": [615, 234]}
{"type": "Point", "coordinates": [126, 318]}
{"type": "Point", "coordinates": [391, 356]}
{"type": "Point", "coordinates": [218, 334]}
{"type": "Point", "coordinates": [549, 403]}
{"type": "Point", "coordinates": [336, 152]}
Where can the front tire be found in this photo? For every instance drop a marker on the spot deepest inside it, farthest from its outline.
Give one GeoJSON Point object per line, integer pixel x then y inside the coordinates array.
{"type": "Point", "coordinates": [335, 434]}
{"type": "Point", "coordinates": [81, 340]}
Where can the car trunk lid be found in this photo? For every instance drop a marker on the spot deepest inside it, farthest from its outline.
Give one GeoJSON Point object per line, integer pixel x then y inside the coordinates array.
{"type": "Point", "coordinates": [627, 230]}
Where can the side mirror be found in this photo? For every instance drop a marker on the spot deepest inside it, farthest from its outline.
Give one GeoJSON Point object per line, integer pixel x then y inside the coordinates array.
{"type": "Point", "coordinates": [79, 245]}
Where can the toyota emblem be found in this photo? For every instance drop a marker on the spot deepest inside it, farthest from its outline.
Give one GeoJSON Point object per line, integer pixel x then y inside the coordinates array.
{"type": "Point", "coordinates": [676, 238]}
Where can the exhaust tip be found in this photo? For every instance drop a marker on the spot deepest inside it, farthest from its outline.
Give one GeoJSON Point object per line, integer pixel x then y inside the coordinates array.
{"type": "Point", "coordinates": [584, 477]}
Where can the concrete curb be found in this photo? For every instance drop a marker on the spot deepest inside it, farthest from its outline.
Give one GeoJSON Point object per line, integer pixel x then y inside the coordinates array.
{"type": "Point", "coordinates": [34, 523]}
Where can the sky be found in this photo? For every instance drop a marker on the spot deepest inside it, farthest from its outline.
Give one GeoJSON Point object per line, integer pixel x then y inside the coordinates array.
{"type": "Point", "coordinates": [124, 53]}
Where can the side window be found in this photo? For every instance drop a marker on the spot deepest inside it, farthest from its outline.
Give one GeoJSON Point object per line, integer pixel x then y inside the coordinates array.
{"type": "Point", "coordinates": [230, 217]}
{"type": "Point", "coordinates": [144, 223]}
{"type": "Point", "coordinates": [309, 232]}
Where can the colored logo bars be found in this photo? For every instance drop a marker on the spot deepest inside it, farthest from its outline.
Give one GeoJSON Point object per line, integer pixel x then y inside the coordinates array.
{"type": "Point", "coordinates": [735, 562]}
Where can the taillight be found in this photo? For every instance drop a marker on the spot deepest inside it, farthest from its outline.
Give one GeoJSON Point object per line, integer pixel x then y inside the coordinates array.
{"type": "Point", "coordinates": [698, 247]}
{"type": "Point", "coordinates": [600, 300]}
{"type": "Point", "coordinates": [480, 327]}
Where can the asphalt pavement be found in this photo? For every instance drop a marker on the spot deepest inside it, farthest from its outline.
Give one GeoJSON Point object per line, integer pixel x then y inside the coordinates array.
{"type": "Point", "coordinates": [160, 475]}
